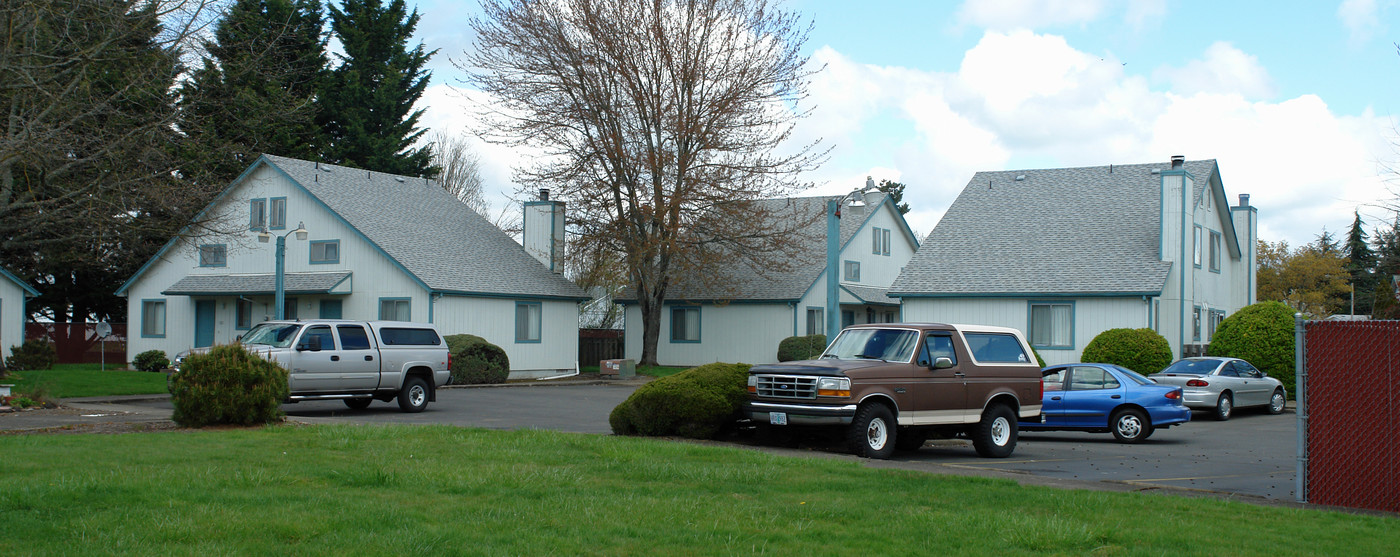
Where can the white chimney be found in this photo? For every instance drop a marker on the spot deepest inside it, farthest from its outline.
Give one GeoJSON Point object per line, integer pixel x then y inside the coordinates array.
{"type": "Point", "coordinates": [544, 231]}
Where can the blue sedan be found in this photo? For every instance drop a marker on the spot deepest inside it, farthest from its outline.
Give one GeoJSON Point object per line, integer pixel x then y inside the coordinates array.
{"type": "Point", "coordinates": [1106, 397]}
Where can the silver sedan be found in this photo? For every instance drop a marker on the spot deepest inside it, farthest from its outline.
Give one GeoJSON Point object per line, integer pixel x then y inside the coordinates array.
{"type": "Point", "coordinates": [1223, 384]}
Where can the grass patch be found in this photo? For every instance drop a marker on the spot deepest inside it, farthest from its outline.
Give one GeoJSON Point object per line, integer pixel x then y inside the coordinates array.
{"type": "Point", "coordinates": [338, 490]}
{"type": "Point", "coordinates": [77, 380]}
{"type": "Point", "coordinates": [653, 371]}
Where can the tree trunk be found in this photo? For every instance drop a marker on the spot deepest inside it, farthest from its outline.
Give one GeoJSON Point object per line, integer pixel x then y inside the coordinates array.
{"type": "Point", "coordinates": [651, 326]}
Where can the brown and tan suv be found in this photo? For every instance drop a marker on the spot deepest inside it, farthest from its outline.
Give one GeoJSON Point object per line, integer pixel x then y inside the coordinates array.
{"type": "Point", "coordinates": [895, 385]}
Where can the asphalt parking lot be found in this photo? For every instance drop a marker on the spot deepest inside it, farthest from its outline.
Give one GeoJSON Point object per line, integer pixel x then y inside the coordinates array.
{"type": "Point", "coordinates": [1252, 456]}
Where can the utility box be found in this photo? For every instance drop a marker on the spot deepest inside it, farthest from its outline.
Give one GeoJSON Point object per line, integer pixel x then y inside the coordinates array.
{"type": "Point", "coordinates": [623, 369]}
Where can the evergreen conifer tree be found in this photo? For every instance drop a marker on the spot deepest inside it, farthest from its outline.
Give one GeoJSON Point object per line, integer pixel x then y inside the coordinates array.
{"type": "Point", "coordinates": [367, 101]}
{"type": "Point", "coordinates": [1361, 263]}
{"type": "Point", "coordinates": [257, 88]}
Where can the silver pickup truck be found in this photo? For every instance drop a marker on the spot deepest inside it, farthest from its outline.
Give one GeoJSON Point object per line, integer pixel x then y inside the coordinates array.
{"type": "Point", "coordinates": [355, 361]}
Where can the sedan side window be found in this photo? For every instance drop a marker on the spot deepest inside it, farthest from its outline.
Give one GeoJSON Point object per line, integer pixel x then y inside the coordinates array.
{"type": "Point", "coordinates": [1091, 378]}
{"type": "Point", "coordinates": [1229, 370]}
{"type": "Point", "coordinates": [1054, 381]}
{"type": "Point", "coordinates": [1248, 370]}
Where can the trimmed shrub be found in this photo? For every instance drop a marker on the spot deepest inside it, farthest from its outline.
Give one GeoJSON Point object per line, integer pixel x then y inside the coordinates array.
{"type": "Point", "coordinates": [1261, 334]}
{"type": "Point", "coordinates": [801, 347]}
{"type": "Point", "coordinates": [1141, 350]}
{"type": "Point", "coordinates": [1038, 360]}
{"type": "Point", "coordinates": [150, 360]}
{"type": "Point", "coordinates": [698, 403]}
{"type": "Point", "coordinates": [228, 385]}
{"type": "Point", "coordinates": [33, 354]}
{"type": "Point", "coordinates": [477, 362]}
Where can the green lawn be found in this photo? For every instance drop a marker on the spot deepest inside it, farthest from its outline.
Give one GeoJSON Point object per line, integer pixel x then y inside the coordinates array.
{"type": "Point", "coordinates": [653, 371]}
{"type": "Point", "coordinates": [76, 380]}
{"type": "Point", "coordinates": [427, 490]}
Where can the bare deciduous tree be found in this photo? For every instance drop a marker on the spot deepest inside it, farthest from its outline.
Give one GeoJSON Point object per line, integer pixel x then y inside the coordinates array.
{"type": "Point", "coordinates": [460, 171]}
{"type": "Point", "coordinates": [658, 122]}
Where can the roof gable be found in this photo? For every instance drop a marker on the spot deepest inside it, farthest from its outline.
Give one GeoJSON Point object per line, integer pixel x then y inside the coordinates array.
{"type": "Point", "coordinates": [28, 290]}
{"type": "Point", "coordinates": [418, 226]}
{"type": "Point", "coordinates": [1066, 231]}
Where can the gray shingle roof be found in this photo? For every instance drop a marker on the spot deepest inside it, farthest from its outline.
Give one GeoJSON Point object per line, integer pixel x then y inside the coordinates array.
{"type": "Point", "coordinates": [870, 294]}
{"type": "Point", "coordinates": [792, 281]}
{"type": "Point", "coordinates": [293, 283]}
{"type": "Point", "coordinates": [435, 237]}
{"type": "Point", "coordinates": [1060, 231]}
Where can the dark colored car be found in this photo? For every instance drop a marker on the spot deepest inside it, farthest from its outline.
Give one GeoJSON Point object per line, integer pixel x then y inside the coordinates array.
{"type": "Point", "coordinates": [1106, 397]}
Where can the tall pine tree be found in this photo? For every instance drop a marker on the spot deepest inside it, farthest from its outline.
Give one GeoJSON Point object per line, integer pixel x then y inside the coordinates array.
{"type": "Point", "coordinates": [367, 101]}
{"type": "Point", "coordinates": [257, 88]}
{"type": "Point", "coordinates": [1361, 263]}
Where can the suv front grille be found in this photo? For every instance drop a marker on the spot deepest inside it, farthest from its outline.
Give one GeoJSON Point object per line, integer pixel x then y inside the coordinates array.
{"type": "Point", "coordinates": [787, 386]}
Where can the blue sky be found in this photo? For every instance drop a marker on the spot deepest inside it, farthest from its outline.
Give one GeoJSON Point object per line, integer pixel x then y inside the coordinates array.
{"type": "Point", "coordinates": [1298, 101]}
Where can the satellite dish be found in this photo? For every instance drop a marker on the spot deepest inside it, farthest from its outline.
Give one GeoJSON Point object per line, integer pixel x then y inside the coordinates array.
{"type": "Point", "coordinates": [104, 329]}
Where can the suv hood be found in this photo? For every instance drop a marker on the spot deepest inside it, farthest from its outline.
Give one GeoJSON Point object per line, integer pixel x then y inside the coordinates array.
{"type": "Point", "coordinates": [828, 367]}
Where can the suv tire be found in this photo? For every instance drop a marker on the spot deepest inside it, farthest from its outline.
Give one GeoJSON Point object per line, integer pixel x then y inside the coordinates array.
{"type": "Point", "coordinates": [995, 435]}
{"type": "Point", "coordinates": [872, 432]}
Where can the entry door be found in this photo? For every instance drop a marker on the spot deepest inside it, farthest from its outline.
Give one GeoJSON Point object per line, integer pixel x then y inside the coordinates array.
{"type": "Point", "coordinates": [203, 323]}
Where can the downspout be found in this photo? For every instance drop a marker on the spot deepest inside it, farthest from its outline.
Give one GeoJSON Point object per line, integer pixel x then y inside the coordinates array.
{"type": "Point", "coordinates": [575, 372]}
{"type": "Point", "coordinates": [432, 297]}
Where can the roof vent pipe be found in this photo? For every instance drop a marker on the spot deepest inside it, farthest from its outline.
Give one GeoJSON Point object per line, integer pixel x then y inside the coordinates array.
{"type": "Point", "coordinates": [869, 183]}
{"type": "Point", "coordinates": [1177, 161]}
{"type": "Point", "coordinates": [544, 194]}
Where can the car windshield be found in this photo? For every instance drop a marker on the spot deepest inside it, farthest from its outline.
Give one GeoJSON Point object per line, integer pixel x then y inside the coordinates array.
{"type": "Point", "coordinates": [891, 345]}
{"type": "Point", "coordinates": [1198, 367]}
{"type": "Point", "coordinates": [278, 335]}
{"type": "Point", "coordinates": [1134, 376]}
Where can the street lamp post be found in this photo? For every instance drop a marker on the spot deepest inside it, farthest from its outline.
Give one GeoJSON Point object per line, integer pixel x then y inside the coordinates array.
{"type": "Point", "coordinates": [833, 247]}
{"type": "Point", "coordinates": [281, 297]}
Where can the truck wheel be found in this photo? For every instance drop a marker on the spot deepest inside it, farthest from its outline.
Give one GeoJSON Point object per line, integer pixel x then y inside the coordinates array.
{"type": "Point", "coordinates": [358, 403]}
{"type": "Point", "coordinates": [1130, 426]}
{"type": "Point", "coordinates": [995, 435]}
{"type": "Point", "coordinates": [871, 434]}
{"type": "Point", "coordinates": [414, 396]}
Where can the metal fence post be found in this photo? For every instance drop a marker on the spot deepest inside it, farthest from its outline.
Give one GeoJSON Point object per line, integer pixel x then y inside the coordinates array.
{"type": "Point", "coordinates": [1300, 373]}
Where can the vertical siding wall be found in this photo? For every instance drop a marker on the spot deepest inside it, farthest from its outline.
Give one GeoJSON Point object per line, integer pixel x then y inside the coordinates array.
{"type": "Point", "coordinates": [1091, 317]}
{"type": "Point", "coordinates": [11, 316]}
{"type": "Point", "coordinates": [735, 333]}
{"type": "Point", "coordinates": [494, 320]}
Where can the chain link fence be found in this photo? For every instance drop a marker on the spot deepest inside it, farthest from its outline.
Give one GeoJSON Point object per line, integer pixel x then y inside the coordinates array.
{"type": "Point", "coordinates": [1348, 408]}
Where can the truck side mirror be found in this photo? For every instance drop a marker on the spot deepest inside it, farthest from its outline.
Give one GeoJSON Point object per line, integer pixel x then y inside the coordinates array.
{"type": "Point", "coordinates": [943, 362]}
{"type": "Point", "coordinates": [313, 344]}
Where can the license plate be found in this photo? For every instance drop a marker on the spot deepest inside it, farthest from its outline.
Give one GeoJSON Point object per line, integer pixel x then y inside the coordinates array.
{"type": "Point", "coordinates": [777, 418]}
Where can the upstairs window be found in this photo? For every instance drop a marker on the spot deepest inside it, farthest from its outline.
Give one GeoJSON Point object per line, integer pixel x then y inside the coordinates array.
{"type": "Point", "coordinates": [257, 214]}
{"type": "Point", "coordinates": [852, 271]}
{"type": "Point", "coordinates": [213, 255]}
{"type": "Point", "coordinates": [1196, 249]}
{"type": "Point", "coordinates": [1215, 251]}
{"type": "Point", "coordinates": [277, 215]}
{"type": "Point", "coordinates": [880, 241]}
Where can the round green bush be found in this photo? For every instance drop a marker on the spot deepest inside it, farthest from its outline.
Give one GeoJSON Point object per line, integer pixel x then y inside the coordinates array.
{"type": "Point", "coordinates": [33, 354]}
{"type": "Point", "coordinates": [1142, 350]}
{"type": "Point", "coordinates": [801, 347]}
{"type": "Point", "coordinates": [477, 362]}
{"type": "Point", "coordinates": [698, 403]}
{"type": "Point", "coordinates": [228, 385]}
{"type": "Point", "coordinates": [150, 360]}
{"type": "Point", "coordinates": [1261, 334]}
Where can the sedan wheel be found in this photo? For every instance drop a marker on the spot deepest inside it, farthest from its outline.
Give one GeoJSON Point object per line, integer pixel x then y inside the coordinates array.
{"type": "Point", "coordinates": [1277, 402]}
{"type": "Point", "coordinates": [1223, 407]}
{"type": "Point", "coordinates": [1131, 426]}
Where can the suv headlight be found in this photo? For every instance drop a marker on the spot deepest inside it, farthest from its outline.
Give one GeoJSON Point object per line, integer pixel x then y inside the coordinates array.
{"type": "Point", "coordinates": [834, 387]}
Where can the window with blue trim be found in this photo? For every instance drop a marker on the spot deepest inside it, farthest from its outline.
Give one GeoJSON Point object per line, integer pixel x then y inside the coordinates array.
{"type": "Point", "coordinates": [325, 251]}
{"type": "Point", "coordinates": [685, 324]}
{"type": "Point", "coordinates": [257, 214]}
{"type": "Point", "coordinates": [395, 309]}
{"type": "Point", "coordinates": [153, 318]}
{"type": "Point", "coordinates": [213, 255]}
{"type": "Point", "coordinates": [1196, 250]}
{"type": "Point", "coordinates": [243, 313]}
{"type": "Point", "coordinates": [852, 271]}
{"type": "Point", "coordinates": [527, 321]}
{"type": "Point", "coordinates": [816, 321]}
{"type": "Point", "coordinates": [1196, 323]}
{"type": "Point", "coordinates": [1052, 324]}
{"type": "Point", "coordinates": [277, 213]}
{"type": "Point", "coordinates": [1215, 251]}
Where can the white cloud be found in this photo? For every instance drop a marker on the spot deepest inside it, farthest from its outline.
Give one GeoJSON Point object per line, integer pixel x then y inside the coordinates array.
{"type": "Point", "coordinates": [1362, 18]}
{"type": "Point", "coordinates": [1142, 13]}
{"type": "Point", "coordinates": [1224, 69]}
{"type": "Point", "coordinates": [1022, 99]}
{"type": "Point", "coordinates": [1028, 14]}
